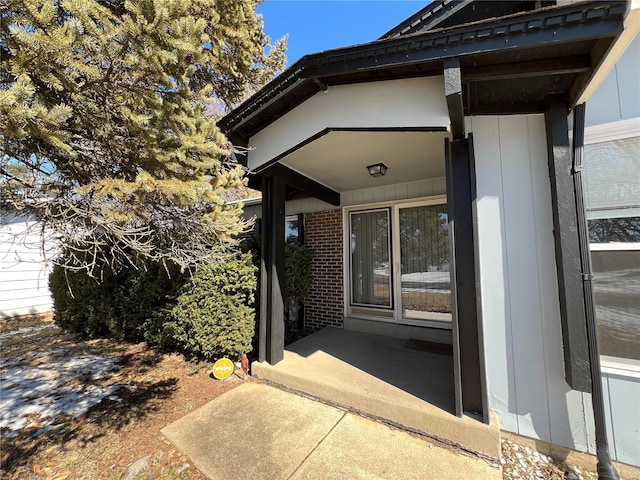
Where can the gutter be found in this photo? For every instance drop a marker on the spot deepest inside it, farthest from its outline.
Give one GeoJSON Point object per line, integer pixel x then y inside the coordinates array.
{"type": "Point", "coordinates": [247, 201]}
{"type": "Point", "coordinates": [606, 470]}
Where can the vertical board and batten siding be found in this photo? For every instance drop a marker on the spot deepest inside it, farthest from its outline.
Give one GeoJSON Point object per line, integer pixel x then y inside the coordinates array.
{"type": "Point", "coordinates": [24, 273]}
{"type": "Point", "coordinates": [520, 307]}
{"type": "Point", "coordinates": [618, 96]}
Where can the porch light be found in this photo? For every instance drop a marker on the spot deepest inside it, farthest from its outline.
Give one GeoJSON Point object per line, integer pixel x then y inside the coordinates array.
{"type": "Point", "coordinates": [377, 169]}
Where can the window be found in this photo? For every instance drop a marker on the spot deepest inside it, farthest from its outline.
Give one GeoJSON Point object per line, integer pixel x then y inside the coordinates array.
{"type": "Point", "coordinates": [424, 258]}
{"type": "Point", "coordinates": [293, 229]}
{"type": "Point", "coordinates": [398, 254]}
{"type": "Point", "coordinates": [612, 195]}
{"type": "Point", "coordinates": [370, 252]}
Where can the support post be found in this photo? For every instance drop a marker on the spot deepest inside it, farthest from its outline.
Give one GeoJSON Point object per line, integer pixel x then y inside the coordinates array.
{"type": "Point", "coordinates": [453, 93]}
{"type": "Point", "coordinates": [567, 247]}
{"type": "Point", "coordinates": [460, 172]}
{"type": "Point", "coordinates": [271, 332]}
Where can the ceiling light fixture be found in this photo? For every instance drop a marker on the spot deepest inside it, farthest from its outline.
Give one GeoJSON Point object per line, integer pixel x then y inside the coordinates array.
{"type": "Point", "coordinates": [377, 169]}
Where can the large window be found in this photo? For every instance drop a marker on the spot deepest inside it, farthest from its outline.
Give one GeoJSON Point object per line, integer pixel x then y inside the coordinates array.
{"type": "Point", "coordinates": [612, 194]}
{"type": "Point", "coordinates": [399, 263]}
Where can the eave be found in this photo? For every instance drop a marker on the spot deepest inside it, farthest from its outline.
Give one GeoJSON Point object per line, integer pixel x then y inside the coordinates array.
{"type": "Point", "coordinates": [508, 65]}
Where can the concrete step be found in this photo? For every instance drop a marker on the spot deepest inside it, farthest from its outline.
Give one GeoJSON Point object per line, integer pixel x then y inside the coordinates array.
{"type": "Point", "coordinates": [375, 376]}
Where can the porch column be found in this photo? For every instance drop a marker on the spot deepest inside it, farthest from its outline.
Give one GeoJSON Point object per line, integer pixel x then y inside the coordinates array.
{"type": "Point", "coordinates": [271, 333]}
{"type": "Point", "coordinates": [461, 198]}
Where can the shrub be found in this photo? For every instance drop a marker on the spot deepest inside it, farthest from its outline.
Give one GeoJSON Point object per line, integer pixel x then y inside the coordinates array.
{"type": "Point", "coordinates": [297, 279]}
{"type": "Point", "coordinates": [213, 315]}
{"type": "Point", "coordinates": [129, 305]}
{"type": "Point", "coordinates": [297, 272]}
{"type": "Point", "coordinates": [206, 315]}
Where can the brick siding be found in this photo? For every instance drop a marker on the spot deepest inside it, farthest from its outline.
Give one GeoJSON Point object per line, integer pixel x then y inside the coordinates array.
{"type": "Point", "coordinates": [325, 305]}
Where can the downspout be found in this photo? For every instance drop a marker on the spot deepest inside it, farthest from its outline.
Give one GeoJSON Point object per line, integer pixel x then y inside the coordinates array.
{"type": "Point", "coordinates": [606, 470]}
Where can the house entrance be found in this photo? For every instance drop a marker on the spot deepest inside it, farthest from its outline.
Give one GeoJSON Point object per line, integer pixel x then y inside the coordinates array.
{"type": "Point", "coordinates": [399, 263]}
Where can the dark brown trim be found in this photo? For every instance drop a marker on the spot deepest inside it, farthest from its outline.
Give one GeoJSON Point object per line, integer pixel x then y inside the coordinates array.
{"type": "Point", "coordinates": [506, 108]}
{"type": "Point", "coordinates": [467, 351]}
{"type": "Point", "coordinates": [322, 85]}
{"type": "Point", "coordinates": [551, 66]}
{"type": "Point", "coordinates": [427, 18]}
{"type": "Point", "coordinates": [271, 331]}
{"type": "Point", "coordinates": [476, 252]}
{"type": "Point", "coordinates": [567, 247]}
{"type": "Point", "coordinates": [455, 330]}
{"type": "Point", "coordinates": [303, 183]}
{"type": "Point", "coordinates": [453, 94]}
{"type": "Point", "coordinates": [598, 53]}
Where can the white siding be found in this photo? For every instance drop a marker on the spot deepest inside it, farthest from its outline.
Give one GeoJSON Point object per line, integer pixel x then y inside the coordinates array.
{"type": "Point", "coordinates": [23, 271]}
{"type": "Point", "coordinates": [411, 102]}
{"type": "Point", "coordinates": [622, 403]}
{"type": "Point", "coordinates": [520, 306]}
{"type": "Point", "coordinates": [618, 96]}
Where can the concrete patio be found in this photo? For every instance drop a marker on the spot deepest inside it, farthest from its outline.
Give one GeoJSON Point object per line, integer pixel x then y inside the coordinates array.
{"type": "Point", "coordinates": [400, 381]}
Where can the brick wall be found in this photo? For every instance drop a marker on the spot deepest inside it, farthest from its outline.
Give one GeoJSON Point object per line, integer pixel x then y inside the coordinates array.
{"type": "Point", "coordinates": [325, 305]}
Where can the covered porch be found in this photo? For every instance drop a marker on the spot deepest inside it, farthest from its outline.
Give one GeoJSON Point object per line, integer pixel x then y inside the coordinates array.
{"type": "Point", "coordinates": [414, 103]}
{"type": "Point", "coordinates": [406, 382]}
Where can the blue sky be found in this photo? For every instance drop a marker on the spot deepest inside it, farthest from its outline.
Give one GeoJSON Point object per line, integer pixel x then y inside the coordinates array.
{"type": "Point", "coordinates": [317, 25]}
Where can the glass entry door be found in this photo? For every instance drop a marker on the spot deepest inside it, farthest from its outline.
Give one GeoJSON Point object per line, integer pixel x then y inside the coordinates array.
{"type": "Point", "coordinates": [370, 252]}
{"type": "Point", "coordinates": [423, 282]}
{"type": "Point", "coordinates": [399, 263]}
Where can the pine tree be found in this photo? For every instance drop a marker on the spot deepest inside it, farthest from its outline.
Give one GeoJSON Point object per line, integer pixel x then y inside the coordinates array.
{"type": "Point", "coordinates": [105, 137]}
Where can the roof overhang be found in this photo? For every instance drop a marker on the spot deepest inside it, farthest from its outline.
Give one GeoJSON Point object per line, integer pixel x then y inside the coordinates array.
{"type": "Point", "coordinates": [508, 65]}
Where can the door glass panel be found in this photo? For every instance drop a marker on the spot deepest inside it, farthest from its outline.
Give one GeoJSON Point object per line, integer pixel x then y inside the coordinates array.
{"type": "Point", "coordinates": [424, 258]}
{"type": "Point", "coordinates": [370, 269]}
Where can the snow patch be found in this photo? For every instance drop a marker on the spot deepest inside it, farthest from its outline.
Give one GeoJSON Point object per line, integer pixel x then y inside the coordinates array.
{"type": "Point", "coordinates": [40, 388]}
{"type": "Point", "coordinates": [24, 330]}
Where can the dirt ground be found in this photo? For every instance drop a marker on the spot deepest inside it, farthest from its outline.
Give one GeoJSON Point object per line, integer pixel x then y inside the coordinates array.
{"type": "Point", "coordinates": [152, 390]}
{"type": "Point", "coordinates": [89, 409]}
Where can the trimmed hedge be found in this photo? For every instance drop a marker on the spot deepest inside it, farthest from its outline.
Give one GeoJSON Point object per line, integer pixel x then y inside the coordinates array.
{"type": "Point", "coordinates": [206, 315]}
{"type": "Point", "coordinates": [126, 305]}
{"type": "Point", "coordinates": [213, 315]}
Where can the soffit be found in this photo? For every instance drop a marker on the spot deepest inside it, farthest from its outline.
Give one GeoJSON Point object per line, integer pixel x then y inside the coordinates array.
{"type": "Point", "coordinates": [338, 159]}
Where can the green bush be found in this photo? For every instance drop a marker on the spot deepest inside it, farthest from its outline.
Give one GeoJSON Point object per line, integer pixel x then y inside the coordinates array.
{"type": "Point", "coordinates": [297, 272]}
{"type": "Point", "coordinates": [297, 279]}
{"type": "Point", "coordinates": [206, 315]}
{"type": "Point", "coordinates": [129, 305]}
{"type": "Point", "coordinates": [213, 316]}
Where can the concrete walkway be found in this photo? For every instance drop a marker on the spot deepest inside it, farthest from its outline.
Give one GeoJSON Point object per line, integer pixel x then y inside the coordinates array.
{"type": "Point", "coordinates": [258, 432]}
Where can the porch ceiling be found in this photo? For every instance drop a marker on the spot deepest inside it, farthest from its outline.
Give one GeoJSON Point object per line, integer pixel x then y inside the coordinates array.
{"type": "Point", "coordinates": [338, 159]}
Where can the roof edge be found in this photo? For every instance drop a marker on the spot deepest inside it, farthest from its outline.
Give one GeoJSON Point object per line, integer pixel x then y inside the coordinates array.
{"type": "Point", "coordinates": [312, 64]}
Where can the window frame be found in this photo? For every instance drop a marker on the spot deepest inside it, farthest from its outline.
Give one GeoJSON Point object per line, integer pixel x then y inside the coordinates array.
{"type": "Point", "coordinates": [391, 305]}
{"type": "Point", "coordinates": [603, 133]}
{"type": "Point", "coordinates": [376, 313]}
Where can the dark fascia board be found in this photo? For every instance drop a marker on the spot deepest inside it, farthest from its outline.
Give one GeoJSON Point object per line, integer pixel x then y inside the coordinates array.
{"type": "Point", "coordinates": [552, 25]}
{"type": "Point", "coordinates": [302, 183]}
{"type": "Point", "coordinates": [427, 18]}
